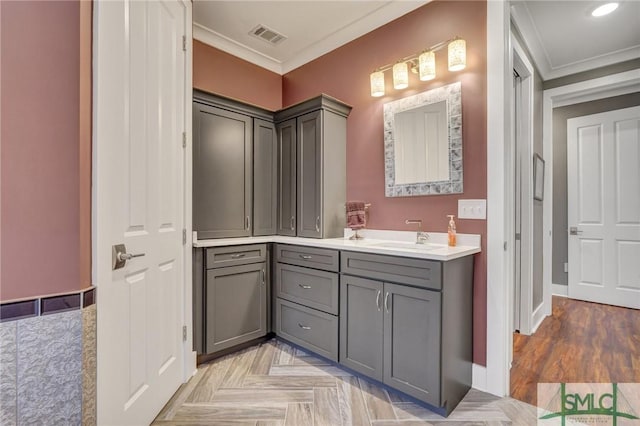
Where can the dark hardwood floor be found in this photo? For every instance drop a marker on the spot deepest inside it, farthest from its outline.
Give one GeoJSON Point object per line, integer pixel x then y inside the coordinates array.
{"type": "Point", "coordinates": [580, 342]}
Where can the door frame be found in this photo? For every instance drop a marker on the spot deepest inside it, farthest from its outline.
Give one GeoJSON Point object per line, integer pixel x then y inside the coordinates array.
{"type": "Point", "coordinates": [524, 131]}
{"type": "Point", "coordinates": [189, 366]}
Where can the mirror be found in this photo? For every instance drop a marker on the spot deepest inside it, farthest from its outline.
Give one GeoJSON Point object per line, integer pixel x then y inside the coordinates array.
{"type": "Point", "coordinates": [423, 143]}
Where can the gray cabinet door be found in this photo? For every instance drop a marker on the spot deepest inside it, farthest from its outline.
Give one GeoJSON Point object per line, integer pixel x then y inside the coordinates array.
{"type": "Point", "coordinates": [412, 341]}
{"type": "Point", "coordinates": [287, 178]}
{"type": "Point", "coordinates": [361, 325]}
{"type": "Point", "coordinates": [265, 186]}
{"type": "Point", "coordinates": [310, 175]}
{"type": "Point", "coordinates": [236, 305]}
{"type": "Point", "coordinates": [221, 172]}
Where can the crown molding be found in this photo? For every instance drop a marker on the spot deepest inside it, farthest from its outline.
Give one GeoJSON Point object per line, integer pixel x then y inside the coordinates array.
{"type": "Point", "coordinates": [224, 43]}
{"type": "Point", "coordinates": [522, 20]}
{"type": "Point", "coordinates": [377, 18]}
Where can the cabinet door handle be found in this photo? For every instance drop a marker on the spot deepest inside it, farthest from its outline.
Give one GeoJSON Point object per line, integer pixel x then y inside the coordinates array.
{"type": "Point", "coordinates": [247, 223]}
{"type": "Point", "coordinates": [263, 277]}
{"type": "Point", "coordinates": [305, 256]}
{"type": "Point", "coordinates": [306, 287]}
{"type": "Point", "coordinates": [318, 224]}
{"type": "Point", "coordinates": [386, 302]}
{"type": "Point", "coordinates": [304, 327]}
{"type": "Point", "coordinates": [378, 300]}
{"type": "Point", "coordinates": [293, 223]}
{"type": "Point", "coordinates": [237, 256]}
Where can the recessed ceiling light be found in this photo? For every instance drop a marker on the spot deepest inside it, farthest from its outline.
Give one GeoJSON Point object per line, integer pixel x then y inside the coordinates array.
{"type": "Point", "coordinates": [605, 9]}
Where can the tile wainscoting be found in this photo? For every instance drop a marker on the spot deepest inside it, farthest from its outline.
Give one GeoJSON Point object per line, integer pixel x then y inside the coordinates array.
{"type": "Point", "coordinates": [48, 360]}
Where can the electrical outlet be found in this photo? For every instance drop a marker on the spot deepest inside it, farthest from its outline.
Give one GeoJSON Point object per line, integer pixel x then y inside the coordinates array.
{"type": "Point", "coordinates": [472, 209]}
{"type": "Point", "coordinates": [566, 267]}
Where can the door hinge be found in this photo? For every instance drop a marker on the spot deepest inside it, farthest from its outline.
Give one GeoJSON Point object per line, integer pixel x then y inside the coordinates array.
{"type": "Point", "coordinates": [184, 139]}
{"type": "Point", "coordinates": [518, 236]}
{"type": "Point", "coordinates": [184, 236]}
{"type": "Point", "coordinates": [504, 246]}
{"type": "Point", "coordinates": [184, 43]}
{"type": "Point", "coordinates": [184, 333]}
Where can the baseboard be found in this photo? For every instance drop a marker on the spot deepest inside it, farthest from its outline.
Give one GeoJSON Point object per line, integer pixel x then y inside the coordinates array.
{"type": "Point", "coordinates": [560, 290]}
{"type": "Point", "coordinates": [537, 317]}
{"type": "Point", "coordinates": [479, 377]}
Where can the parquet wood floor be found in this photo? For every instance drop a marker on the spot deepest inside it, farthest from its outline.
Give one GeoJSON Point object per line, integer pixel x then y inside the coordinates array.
{"type": "Point", "coordinates": [581, 342]}
{"type": "Point", "coordinates": [275, 384]}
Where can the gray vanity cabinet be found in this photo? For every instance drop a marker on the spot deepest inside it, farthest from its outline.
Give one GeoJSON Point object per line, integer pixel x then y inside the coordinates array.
{"type": "Point", "coordinates": [391, 333]}
{"type": "Point", "coordinates": [408, 323]}
{"type": "Point", "coordinates": [412, 341]}
{"type": "Point", "coordinates": [318, 162]}
{"type": "Point", "coordinates": [361, 325]}
{"type": "Point", "coordinates": [222, 172]}
{"type": "Point", "coordinates": [286, 223]}
{"type": "Point", "coordinates": [265, 189]}
{"type": "Point", "coordinates": [236, 305]}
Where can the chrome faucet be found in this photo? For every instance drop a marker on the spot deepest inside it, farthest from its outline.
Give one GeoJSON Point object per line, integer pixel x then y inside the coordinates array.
{"type": "Point", "coordinates": [421, 237]}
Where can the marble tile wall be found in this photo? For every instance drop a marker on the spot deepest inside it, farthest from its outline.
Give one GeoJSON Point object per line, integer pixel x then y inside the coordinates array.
{"type": "Point", "coordinates": [48, 369]}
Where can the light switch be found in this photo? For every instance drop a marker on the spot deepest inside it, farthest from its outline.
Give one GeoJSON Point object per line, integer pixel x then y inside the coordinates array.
{"type": "Point", "coordinates": [472, 209]}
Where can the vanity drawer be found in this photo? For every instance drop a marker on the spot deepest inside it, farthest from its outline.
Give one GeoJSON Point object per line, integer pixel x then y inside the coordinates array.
{"type": "Point", "coordinates": [401, 270]}
{"type": "Point", "coordinates": [308, 328]}
{"type": "Point", "coordinates": [311, 257]}
{"type": "Point", "coordinates": [220, 257]}
{"type": "Point", "coordinates": [309, 287]}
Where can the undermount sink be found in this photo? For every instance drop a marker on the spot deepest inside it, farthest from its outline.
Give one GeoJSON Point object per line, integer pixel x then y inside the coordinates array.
{"type": "Point", "coordinates": [407, 245]}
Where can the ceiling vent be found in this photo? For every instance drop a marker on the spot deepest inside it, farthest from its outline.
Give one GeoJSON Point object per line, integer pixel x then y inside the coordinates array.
{"type": "Point", "coordinates": [267, 34]}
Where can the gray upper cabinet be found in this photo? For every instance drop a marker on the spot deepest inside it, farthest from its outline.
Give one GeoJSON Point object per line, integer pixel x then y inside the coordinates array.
{"type": "Point", "coordinates": [265, 165]}
{"type": "Point", "coordinates": [320, 167]}
{"type": "Point", "coordinates": [287, 178]}
{"type": "Point", "coordinates": [310, 175]}
{"type": "Point", "coordinates": [412, 341]}
{"type": "Point", "coordinates": [235, 168]}
{"type": "Point", "coordinates": [222, 172]}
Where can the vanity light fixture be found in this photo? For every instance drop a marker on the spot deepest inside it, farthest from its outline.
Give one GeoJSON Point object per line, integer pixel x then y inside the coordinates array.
{"type": "Point", "coordinates": [605, 9]}
{"type": "Point", "coordinates": [377, 84]}
{"type": "Point", "coordinates": [400, 76]}
{"type": "Point", "coordinates": [423, 64]}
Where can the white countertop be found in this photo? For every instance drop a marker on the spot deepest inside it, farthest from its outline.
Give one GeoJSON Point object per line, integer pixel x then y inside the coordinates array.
{"type": "Point", "coordinates": [394, 243]}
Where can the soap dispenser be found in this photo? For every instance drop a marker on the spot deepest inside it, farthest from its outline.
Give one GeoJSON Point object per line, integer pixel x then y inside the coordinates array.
{"type": "Point", "coordinates": [451, 231]}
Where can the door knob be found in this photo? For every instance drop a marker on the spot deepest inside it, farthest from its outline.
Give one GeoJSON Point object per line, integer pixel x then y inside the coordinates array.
{"type": "Point", "coordinates": [119, 256]}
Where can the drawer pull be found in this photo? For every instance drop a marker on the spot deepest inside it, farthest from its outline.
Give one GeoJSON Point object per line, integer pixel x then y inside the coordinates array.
{"type": "Point", "coordinates": [292, 222]}
{"type": "Point", "coordinates": [386, 302]}
{"type": "Point", "coordinates": [263, 277]}
{"type": "Point", "coordinates": [237, 256]}
{"type": "Point", "coordinates": [318, 224]}
{"type": "Point", "coordinates": [378, 300]}
{"type": "Point", "coordinates": [305, 256]}
{"type": "Point", "coordinates": [306, 287]}
{"type": "Point", "coordinates": [304, 327]}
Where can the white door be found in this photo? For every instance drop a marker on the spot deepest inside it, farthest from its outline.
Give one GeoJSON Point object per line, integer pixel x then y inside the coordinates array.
{"type": "Point", "coordinates": [139, 98]}
{"type": "Point", "coordinates": [603, 160]}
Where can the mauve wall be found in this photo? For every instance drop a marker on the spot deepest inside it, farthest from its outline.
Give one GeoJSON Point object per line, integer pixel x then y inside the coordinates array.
{"type": "Point", "coordinates": [218, 72]}
{"type": "Point", "coordinates": [344, 74]}
{"type": "Point", "coordinates": [46, 140]}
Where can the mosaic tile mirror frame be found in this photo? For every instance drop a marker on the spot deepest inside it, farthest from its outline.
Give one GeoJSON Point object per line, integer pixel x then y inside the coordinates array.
{"type": "Point", "coordinates": [448, 181]}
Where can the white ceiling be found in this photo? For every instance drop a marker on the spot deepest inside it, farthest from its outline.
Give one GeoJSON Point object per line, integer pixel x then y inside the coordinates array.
{"type": "Point", "coordinates": [562, 36]}
{"type": "Point", "coordinates": [312, 28]}
{"type": "Point", "coordinates": [565, 39]}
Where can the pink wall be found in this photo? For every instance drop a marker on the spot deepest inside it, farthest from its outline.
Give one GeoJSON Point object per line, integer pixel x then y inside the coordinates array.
{"type": "Point", "coordinates": [45, 148]}
{"type": "Point", "coordinates": [218, 72]}
{"type": "Point", "coordinates": [344, 74]}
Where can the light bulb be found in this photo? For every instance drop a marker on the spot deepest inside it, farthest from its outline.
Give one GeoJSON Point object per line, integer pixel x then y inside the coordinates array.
{"type": "Point", "coordinates": [400, 76]}
{"type": "Point", "coordinates": [457, 55]}
{"type": "Point", "coordinates": [377, 83]}
{"type": "Point", "coordinates": [427, 65]}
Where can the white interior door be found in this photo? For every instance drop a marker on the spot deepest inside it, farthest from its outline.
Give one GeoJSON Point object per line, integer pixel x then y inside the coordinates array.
{"type": "Point", "coordinates": [603, 159]}
{"type": "Point", "coordinates": [139, 98]}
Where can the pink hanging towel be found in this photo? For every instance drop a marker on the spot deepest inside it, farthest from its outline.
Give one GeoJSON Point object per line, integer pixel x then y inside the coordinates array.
{"type": "Point", "coordinates": [355, 215]}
